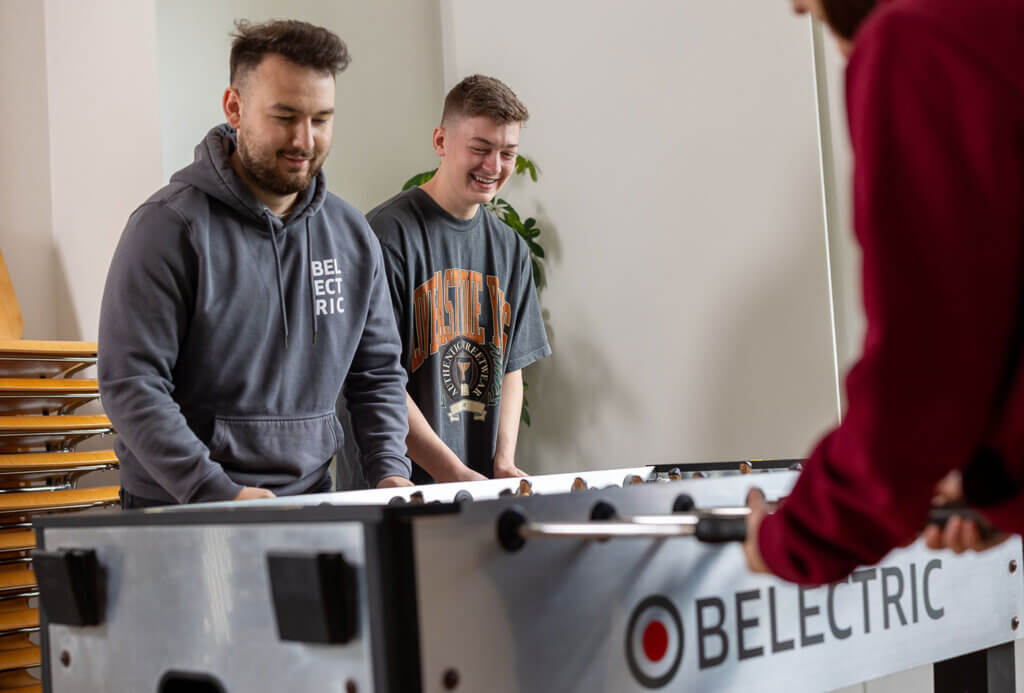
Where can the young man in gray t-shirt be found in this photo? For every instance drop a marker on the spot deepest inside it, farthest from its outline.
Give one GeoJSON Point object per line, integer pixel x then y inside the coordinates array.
{"type": "Point", "coordinates": [462, 288]}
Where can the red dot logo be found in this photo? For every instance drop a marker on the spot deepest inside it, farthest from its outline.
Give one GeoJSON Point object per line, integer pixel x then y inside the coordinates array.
{"type": "Point", "coordinates": [654, 642]}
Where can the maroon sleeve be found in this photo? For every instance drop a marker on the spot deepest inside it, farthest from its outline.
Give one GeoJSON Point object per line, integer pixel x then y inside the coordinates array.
{"type": "Point", "coordinates": [937, 211]}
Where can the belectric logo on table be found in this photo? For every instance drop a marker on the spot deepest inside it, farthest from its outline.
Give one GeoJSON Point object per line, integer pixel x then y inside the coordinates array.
{"type": "Point", "coordinates": [654, 642]}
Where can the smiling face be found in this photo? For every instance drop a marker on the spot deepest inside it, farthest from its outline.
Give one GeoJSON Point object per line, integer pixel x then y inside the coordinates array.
{"type": "Point", "coordinates": [478, 155]}
{"type": "Point", "coordinates": [284, 116]}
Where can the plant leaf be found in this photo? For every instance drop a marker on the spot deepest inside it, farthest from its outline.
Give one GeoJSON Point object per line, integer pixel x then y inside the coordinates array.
{"type": "Point", "coordinates": [512, 218]}
{"type": "Point", "coordinates": [419, 179]}
{"type": "Point", "coordinates": [524, 165]}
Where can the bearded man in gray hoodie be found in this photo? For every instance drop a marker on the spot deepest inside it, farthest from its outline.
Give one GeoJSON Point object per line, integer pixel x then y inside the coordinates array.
{"type": "Point", "coordinates": [243, 295]}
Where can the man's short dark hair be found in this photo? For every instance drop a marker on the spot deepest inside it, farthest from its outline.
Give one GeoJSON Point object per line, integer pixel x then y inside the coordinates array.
{"type": "Point", "coordinates": [845, 16]}
{"type": "Point", "coordinates": [479, 95]}
{"type": "Point", "coordinates": [302, 43]}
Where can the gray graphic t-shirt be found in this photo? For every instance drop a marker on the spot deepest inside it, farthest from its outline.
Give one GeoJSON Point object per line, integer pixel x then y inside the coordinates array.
{"type": "Point", "coordinates": [467, 314]}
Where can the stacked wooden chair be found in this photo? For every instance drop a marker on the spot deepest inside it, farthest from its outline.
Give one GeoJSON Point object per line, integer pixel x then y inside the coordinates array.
{"type": "Point", "coordinates": [39, 469]}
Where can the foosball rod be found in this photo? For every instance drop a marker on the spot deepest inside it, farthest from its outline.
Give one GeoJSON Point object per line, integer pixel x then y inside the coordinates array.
{"type": "Point", "coordinates": [710, 525]}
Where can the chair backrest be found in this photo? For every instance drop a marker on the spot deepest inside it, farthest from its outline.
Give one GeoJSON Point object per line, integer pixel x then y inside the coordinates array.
{"type": "Point", "coordinates": [11, 325]}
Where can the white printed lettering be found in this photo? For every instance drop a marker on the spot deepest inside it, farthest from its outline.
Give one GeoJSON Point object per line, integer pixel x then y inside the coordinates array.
{"type": "Point", "coordinates": [330, 286]}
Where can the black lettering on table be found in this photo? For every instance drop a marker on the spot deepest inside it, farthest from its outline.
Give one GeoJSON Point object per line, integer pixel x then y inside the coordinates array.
{"type": "Point", "coordinates": [705, 630]}
{"type": "Point", "coordinates": [892, 599]}
{"type": "Point", "coordinates": [864, 576]}
{"type": "Point", "coordinates": [777, 645]}
{"type": "Point", "coordinates": [837, 632]}
{"type": "Point", "coordinates": [913, 591]}
{"type": "Point", "coordinates": [805, 611]}
{"type": "Point", "coordinates": [743, 624]}
{"type": "Point", "coordinates": [933, 613]}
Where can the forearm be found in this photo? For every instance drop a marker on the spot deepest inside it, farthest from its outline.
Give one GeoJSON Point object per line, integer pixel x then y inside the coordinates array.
{"type": "Point", "coordinates": [508, 423]}
{"type": "Point", "coordinates": [144, 313]}
{"type": "Point", "coordinates": [375, 392]}
{"type": "Point", "coordinates": [379, 423]}
{"type": "Point", "coordinates": [428, 450]}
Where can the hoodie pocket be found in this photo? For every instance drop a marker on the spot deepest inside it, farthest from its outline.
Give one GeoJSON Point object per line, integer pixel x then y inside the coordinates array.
{"type": "Point", "coordinates": [276, 450]}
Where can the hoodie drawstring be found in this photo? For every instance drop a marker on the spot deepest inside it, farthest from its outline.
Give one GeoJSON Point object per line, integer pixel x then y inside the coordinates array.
{"type": "Point", "coordinates": [280, 283]}
{"type": "Point", "coordinates": [309, 259]}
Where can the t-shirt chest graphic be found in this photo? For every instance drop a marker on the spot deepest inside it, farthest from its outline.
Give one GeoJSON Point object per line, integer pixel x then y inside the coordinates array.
{"type": "Point", "coordinates": [463, 317]}
{"type": "Point", "coordinates": [450, 306]}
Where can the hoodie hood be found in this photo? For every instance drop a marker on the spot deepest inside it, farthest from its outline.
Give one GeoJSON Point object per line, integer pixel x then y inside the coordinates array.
{"type": "Point", "coordinates": [211, 172]}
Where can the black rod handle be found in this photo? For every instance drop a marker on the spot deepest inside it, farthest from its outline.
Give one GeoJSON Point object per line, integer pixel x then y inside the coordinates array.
{"type": "Point", "coordinates": [940, 515]}
{"type": "Point", "coordinates": [718, 530]}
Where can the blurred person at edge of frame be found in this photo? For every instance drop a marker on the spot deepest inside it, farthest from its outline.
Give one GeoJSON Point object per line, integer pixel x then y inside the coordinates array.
{"type": "Point", "coordinates": [935, 104]}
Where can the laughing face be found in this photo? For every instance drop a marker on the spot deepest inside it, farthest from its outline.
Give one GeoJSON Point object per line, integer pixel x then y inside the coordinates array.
{"type": "Point", "coordinates": [477, 157]}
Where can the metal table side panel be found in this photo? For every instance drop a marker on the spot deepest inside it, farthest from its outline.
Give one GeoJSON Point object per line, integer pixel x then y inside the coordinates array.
{"type": "Point", "coordinates": [205, 589]}
{"type": "Point", "coordinates": [556, 615]}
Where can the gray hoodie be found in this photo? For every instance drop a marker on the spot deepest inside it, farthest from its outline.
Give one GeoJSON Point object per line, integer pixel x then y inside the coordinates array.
{"type": "Point", "coordinates": [226, 335]}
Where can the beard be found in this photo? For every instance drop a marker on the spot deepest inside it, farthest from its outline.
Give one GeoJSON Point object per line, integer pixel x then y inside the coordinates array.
{"type": "Point", "coordinates": [261, 165]}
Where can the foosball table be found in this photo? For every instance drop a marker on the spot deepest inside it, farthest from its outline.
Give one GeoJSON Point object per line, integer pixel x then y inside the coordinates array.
{"type": "Point", "coordinates": [618, 580]}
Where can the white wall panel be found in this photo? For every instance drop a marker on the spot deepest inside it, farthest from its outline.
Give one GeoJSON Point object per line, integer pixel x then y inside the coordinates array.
{"type": "Point", "coordinates": [25, 229]}
{"type": "Point", "coordinates": [681, 197]}
{"type": "Point", "coordinates": [104, 142]}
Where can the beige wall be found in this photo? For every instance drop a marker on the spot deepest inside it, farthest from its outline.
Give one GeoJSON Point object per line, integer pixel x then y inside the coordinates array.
{"type": "Point", "coordinates": [388, 99]}
{"type": "Point", "coordinates": [78, 122]}
{"type": "Point", "coordinates": [104, 141]}
{"type": "Point", "coordinates": [26, 238]}
{"type": "Point", "coordinates": [681, 197]}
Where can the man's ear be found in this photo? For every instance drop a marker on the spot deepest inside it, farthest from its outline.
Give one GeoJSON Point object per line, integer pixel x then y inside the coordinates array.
{"type": "Point", "coordinates": [232, 104]}
{"type": "Point", "coordinates": [440, 140]}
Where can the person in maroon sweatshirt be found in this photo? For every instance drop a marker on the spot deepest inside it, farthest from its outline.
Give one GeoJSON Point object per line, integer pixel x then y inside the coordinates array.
{"type": "Point", "coordinates": [935, 100]}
